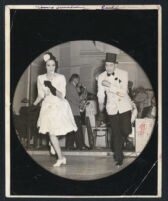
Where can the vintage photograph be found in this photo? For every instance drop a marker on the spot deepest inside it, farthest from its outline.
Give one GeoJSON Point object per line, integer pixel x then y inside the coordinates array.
{"type": "Point", "coordinates": [84, 110]}
{"type": "Point", "coordinates": [83, 101]}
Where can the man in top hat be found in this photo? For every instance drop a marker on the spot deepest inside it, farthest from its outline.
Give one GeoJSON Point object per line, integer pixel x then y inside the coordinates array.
{"type": "Point", "coordinates": [113, 83]}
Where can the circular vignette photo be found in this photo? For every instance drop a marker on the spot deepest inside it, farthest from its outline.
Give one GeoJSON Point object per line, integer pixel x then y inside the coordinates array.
{"type": "Point", "coordinates": [84, 110]}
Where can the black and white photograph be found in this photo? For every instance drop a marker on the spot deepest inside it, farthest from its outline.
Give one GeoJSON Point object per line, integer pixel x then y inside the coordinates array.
{"type": "Point", "coordinates": [83, 101]}
{"type": "Point", "coordinates": [84, 110]}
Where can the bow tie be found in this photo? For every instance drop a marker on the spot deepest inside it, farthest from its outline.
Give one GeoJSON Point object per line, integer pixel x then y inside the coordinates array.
{"type": "Point", "coordinates": [116, 78]}
{"type": "Point", "coordinates": [109, 74]}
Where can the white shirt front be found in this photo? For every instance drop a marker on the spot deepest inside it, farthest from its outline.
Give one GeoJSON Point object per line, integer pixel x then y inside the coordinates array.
{"type": "Point", "coordinates": [118, 99]}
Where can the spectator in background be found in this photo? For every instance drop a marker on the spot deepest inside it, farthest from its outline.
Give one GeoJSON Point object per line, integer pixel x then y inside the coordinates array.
{"type": "Point", "coordinates": [74, 100]}
{"type": "Point", "coordinates": [140, 100]}
{"type": "Point", "coordinates": [83, 94]}
{"type": "Point", "coordinates": [150, 111]}
{"type": "Point", "coordinates": [130, 89]}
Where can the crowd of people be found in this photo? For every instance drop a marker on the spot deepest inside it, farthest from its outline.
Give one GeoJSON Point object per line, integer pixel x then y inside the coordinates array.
{"type": "Point", "coordinates": [63, 104]}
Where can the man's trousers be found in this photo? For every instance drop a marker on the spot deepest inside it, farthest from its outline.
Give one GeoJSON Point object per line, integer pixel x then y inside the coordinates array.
{"type": "Point", "coordinates": [120, 129]}
{"type": "Point", "coordinates": [75, 137]}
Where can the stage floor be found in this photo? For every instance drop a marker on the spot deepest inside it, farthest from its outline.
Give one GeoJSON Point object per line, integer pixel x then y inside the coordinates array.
{"type": "Point", "coordinates": [81, 167]}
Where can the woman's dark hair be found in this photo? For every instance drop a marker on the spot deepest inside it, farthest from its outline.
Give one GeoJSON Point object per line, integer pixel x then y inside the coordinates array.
{"type": "Point", "coordinates": [73, 76]}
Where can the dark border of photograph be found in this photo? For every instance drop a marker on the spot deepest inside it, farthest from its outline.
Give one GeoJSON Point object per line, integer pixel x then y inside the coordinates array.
{"type": "Point", "coordinates": [27, 178]}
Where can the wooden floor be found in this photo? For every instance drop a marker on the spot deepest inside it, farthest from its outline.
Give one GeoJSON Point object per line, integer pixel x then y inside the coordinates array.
{"type": "Point", "coordinates": [81, 167]}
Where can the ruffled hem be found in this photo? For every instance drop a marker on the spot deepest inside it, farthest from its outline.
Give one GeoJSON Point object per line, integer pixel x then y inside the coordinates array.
{"type": "Point", "coordinates": [57, 132]}
{"type": "Point", "coordinates": [56, 118]}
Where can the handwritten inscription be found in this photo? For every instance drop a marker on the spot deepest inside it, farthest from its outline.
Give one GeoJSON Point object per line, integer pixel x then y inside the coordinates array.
{"type": "Point", "coordinates": [111, 7]}
{"type": "Point", "coordinates": [59, 7]}
{"type": "Point", "coordinates": [76, 7]}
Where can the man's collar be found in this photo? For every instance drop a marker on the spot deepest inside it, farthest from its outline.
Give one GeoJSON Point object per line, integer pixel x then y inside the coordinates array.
{"type": "Point", "coordinates": [109, 74]}
{"type": "Point", "coordinates": [113, 73]}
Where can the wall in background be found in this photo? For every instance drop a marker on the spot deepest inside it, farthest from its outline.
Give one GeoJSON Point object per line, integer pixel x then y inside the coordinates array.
{"type": "Point", "coordinates": [82, 57]}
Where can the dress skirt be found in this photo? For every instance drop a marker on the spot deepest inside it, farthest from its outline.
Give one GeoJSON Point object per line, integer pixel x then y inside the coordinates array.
{"type": "Point", "coordinates": [56, 117]}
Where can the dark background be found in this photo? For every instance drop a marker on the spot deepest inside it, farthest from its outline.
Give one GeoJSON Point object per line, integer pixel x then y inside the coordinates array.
{"type": "Point", "coordinates": [135, 32]}
{"type": "Point", "coordinates": [33, 32]}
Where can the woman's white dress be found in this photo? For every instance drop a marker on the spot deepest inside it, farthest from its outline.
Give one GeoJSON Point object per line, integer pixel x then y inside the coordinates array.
{"type": "Point", "coordinates": [55, 115]}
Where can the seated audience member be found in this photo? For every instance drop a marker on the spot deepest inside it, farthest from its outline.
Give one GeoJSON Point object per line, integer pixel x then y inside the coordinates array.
{"type": "Point", "coordinates": [140, 100]}
{"type": "Point", "coordinates": [150, 111]}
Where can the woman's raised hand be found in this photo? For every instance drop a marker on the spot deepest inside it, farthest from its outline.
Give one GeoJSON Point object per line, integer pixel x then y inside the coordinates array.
{"type": "Point", "coordinates": [47, 83]}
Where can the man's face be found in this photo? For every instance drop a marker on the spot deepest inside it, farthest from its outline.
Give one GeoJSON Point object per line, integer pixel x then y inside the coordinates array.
{"type": "Point", "coordinates": [110, 67]}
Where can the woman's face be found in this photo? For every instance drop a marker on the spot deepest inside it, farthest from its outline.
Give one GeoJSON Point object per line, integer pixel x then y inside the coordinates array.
{"type": "Point", "coordinates": [50, 66]}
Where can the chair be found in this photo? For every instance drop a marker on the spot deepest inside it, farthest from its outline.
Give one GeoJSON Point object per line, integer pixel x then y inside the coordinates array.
{"type": "Point", "coordinates": [93, 130]}
{"type": "Point", "coordinates": [101, 132]}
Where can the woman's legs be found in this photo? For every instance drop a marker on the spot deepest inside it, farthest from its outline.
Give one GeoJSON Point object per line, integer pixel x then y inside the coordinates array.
{"type": "Point", "coordinates": [55, 143]}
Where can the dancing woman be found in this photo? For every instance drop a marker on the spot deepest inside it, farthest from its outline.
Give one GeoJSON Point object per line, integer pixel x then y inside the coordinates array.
{"type": "Point", "coordinates": [55, 117]}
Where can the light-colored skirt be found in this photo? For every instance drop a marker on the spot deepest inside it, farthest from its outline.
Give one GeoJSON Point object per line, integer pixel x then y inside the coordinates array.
{"type": "Point", "coordinates": [56, 117]}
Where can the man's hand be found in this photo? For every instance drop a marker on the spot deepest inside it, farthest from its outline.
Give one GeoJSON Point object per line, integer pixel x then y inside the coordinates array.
{"type": "Point", "coordinates": [106, 83]}
{"type": "Point", "coordinates": [101, 107]}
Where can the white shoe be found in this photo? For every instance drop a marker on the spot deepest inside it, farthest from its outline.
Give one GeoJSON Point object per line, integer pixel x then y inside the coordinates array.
{"type": "Point", "coordinates": [60, 162]}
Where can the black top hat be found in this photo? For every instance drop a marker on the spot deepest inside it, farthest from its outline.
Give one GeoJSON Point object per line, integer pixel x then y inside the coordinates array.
{"type": "Point", "coordinates": [111, 57]}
